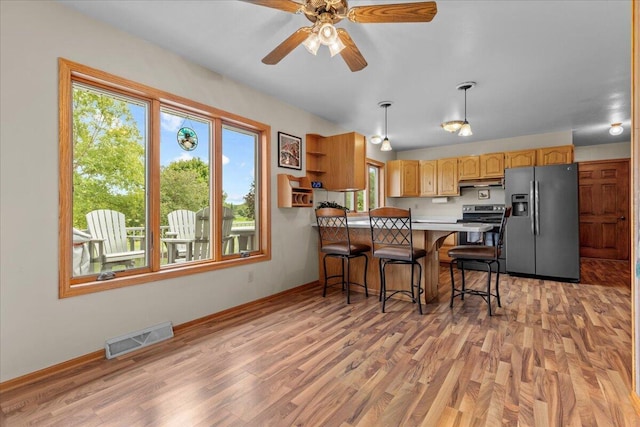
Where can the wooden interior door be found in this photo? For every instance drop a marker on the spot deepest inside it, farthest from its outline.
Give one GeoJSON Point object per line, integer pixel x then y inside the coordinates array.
{"type": "Point", "coordinates": [604, 209]}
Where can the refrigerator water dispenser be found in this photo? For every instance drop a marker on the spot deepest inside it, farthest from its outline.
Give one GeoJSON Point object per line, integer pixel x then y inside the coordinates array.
{"type": "Point", "coordinates": [520, 204]}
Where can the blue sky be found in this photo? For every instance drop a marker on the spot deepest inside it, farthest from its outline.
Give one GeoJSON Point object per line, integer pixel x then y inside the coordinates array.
{"type": "Point", "coordinates": [238, 151]}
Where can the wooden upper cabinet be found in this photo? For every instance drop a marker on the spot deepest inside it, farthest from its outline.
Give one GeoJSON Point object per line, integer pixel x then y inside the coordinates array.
{"type": "Point", "coordinates": [338, 161]}
{"type": "Point", "coordinates": [555, 155]}
{"type": "Point", "coordinates": [519, 159]}
{"type": "Point", "coordinates": [492, 165]}
{"type": "Point", "coordinates": [468, 167]}
{"type": "Point", "coordinates": [428, 178]}
{"type": "Point", "coordinates": [448, 177]}
{"type": "Point", "coordinates": [316, 158]}
{"type": "Point", "coordinates": [403, 178]}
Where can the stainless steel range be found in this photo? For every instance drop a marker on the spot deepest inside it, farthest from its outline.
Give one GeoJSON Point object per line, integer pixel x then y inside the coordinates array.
{"type": "Point", "coordinates": [488, 214]}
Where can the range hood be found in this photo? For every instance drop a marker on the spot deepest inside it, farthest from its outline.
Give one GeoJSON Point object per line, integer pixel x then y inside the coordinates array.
{"type": "Point", "coordinates": [487, 182]}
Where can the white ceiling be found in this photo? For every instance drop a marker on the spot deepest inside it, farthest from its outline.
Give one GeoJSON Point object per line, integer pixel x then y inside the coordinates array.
{"type": "Point", "coordinates": [540, 66]}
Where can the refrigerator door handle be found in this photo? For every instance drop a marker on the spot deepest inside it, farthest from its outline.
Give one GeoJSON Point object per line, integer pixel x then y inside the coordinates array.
{"type": "Point", "coordinates": [537, 206]}
{"type": "Point", "coordinates": [532, 201]}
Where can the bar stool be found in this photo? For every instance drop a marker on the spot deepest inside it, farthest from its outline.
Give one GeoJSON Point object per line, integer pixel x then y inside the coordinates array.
{"type": "Point", "coordinates": [334, 242]}
{"type": "Point", "coordinates": [392, 239]}
{"type": "Point", "coordinates": [490, 255]}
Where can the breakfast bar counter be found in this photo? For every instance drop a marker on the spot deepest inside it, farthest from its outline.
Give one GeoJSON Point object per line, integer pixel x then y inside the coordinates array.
{"type": "Point", "coordinates": [427, 235]}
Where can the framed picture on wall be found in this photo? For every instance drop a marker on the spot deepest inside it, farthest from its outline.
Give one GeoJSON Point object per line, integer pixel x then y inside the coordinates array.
{"type": "Point", "coordinates": [289, 151]}
{"type": "Point", "coordinates": [483, 194]}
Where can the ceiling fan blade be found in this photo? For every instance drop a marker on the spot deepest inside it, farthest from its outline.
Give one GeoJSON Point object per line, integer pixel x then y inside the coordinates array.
{"type": "Point", "coordinates": [284, 48]}
{"type": "Point", "coordinates": [351, 54]}
{"type": "Point", "coordinates": [286, 5]}
{"type": "Point", "coordinates": [402, 12]}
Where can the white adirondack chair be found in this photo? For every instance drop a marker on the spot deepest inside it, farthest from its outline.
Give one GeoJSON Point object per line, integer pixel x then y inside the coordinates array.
{"type": "Point", "coordinates": [201, 235]}
{"type": "Point", "coordinates": [201, 247]}
{"type": "Point", "coordinates": [228, 239]}
{"type": "Point", "coordinates": [109, 226]}
{"type": "Point", "coordinates": [182, 226]}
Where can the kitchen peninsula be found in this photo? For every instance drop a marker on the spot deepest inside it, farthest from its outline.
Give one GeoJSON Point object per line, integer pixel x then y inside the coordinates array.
{"type": "Point", "coordinates": [426, 234]}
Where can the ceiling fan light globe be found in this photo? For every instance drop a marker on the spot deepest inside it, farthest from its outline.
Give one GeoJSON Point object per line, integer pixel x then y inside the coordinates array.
{"type": "Point", "coordinates": [386, 145]}
{"type": "Point", "coordinates": [616, 129]}
{"type": "Point", "coordinates": [327, 34]}
{"type": "Point", "coordinates": [465, 130]}
{"type": "Point", "coordinates": [312, 43]}
{"type": "Point", "coordinates": [336, 47]}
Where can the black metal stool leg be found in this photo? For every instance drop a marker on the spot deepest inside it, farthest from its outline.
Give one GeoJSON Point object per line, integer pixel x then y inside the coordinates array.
{"type": "Point", "coordinates": [381, 279]}
{"type": "Point", "coordinates": [384, 287]}
{"type": "Point", "coordinates": [419, 288]}
{"type": "Point", "coordinates": [489, 287]}
{"type": "Point", "coordinates": [348, 280]}
{"type": "Point", "coordinates": [413, 294]}
{"type": "Point", "coordinates": [498, 284]}
{"type": "Point", "coordinates": [453, 283]}
{"type": "Point", "coordinates": [464, 283]}
{"type": "Point", "coordinates": [366, 267]}
{"type": "Point", "coordinates": [324, 290]}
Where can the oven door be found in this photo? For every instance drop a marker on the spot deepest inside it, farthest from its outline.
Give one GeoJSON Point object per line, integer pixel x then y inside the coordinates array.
{"type": "Point", "coordinates": [489, 238]}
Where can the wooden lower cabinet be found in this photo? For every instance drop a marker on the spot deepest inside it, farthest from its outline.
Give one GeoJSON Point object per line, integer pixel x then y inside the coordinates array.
{"type": "Point", "coordinates": [448, 177]}
{"type": "Point", "coordinates": [555, 155]}
{"type": "Point", "coordinates": [403, 178]}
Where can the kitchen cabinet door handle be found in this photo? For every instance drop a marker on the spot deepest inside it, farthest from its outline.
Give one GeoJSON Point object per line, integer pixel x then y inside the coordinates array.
{"type": "Point", "coordinates": [622, 218]}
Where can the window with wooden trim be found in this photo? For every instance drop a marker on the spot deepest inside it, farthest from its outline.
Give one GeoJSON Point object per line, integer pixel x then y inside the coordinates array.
{"type": "Point", "coordinates": [153, 185]}
{"type": "Point", "coordinates": [373, 196]}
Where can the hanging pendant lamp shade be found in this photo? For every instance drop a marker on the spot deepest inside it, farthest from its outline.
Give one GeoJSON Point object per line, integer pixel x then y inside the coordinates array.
{"type": "Point", "coordinates": [386, 145]}
{"type": "Point", "coordinates": [465, 130]}
{"type": "Point", "coordinates": [461, 126]}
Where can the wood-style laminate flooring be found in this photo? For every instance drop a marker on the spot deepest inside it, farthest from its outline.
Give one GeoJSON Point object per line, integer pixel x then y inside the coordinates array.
{"type": "Point", "coordinates": [555, 354]}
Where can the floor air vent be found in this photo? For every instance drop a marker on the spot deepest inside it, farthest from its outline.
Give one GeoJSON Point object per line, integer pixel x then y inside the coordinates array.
{"type": "Point", "coordinates": [118, 346]}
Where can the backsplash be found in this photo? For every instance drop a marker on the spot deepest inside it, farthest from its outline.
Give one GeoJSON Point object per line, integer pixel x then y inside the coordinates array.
{"type": "Point", "coordinates": [423, 206]}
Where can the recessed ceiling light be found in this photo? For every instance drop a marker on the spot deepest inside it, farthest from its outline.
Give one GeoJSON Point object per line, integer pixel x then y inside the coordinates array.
{"type": "Point", "coordinates": [616, 129]}
{"type": "Point", "coordinates": [375, 139]}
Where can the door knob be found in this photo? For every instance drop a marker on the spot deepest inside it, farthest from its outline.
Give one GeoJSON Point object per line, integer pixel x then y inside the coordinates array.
{"type": "Point", "coordinates": [622, 218]}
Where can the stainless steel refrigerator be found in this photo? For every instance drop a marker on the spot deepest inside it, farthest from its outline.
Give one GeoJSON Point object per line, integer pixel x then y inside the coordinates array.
{"type": "Point", "coordinates": [542, 234]}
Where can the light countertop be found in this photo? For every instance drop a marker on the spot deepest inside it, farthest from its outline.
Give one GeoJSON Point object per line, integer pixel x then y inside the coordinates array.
{"type": "Point", "coordinates": [426, 225]}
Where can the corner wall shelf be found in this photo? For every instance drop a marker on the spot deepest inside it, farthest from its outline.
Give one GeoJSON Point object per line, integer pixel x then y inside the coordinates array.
{"type": "Point", "coordinates": [294, 192]}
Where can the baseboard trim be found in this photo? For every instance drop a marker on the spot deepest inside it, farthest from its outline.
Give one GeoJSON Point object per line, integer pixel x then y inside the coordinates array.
{"type": "Point", "coordinates": [50, 371]}
{"type": "Point", "coordinates": [81, 361]}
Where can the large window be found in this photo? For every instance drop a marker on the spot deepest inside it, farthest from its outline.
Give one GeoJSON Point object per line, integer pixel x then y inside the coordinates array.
{"type": "Point", "coordinates": [153, 185]}
{"type": "Point", "coordinates": [373, 196]}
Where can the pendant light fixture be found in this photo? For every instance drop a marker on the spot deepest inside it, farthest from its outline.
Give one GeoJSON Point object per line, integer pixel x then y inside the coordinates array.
{"type": "Point", "coordinates": [386, 145]}
{"type": "Point", "coordinates": [461, 126]}
{"type": "Point", "coordinates": [465, 130]}
{"type": "Point", "coordinates": [616, 129]}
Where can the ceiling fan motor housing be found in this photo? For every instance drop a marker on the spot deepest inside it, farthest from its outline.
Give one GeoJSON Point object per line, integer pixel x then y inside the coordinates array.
{"type": "Point", "coordinates": [329, 10]}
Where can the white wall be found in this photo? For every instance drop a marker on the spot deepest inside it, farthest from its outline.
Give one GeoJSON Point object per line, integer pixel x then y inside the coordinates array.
{"type": "Point", "coordinates": [619, 150]}
{"type": "Point", "coordinates": [37, 329]}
